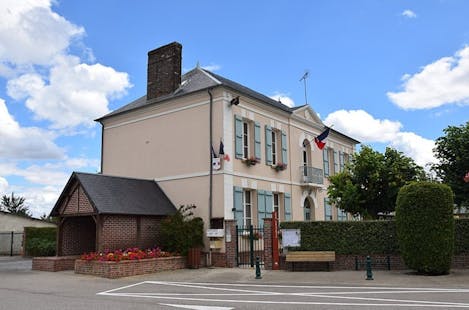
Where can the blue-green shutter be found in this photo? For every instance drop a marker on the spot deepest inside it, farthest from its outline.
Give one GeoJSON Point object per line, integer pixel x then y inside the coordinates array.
{"type": "Point", "coordinates": [336, 162]}
{"type": "Point", "coordinates": [269, 204]}
{"type": "Point", "coordinates": [287, 206]}
{"type": "Point", "coordinates": [238, 205]}
{"type": "Point", "coordinates": [268, 145]}
{"type": "Point", "coordinates": [260, 207]}
{"type": "Point", "coordinates": [325, 158]}
{"type": "Point", "coordinates": [341, 161]}
{"type": "Point", "coordinates": [238, 137]}
{"type": "Point", "coordinates": [284, 148]}
{"type": "Point", "coordinates": [257, 140]}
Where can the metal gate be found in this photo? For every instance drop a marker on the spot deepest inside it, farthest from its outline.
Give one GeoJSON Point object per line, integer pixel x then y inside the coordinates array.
{"type": "Point", "coordinates": [249, 245]}
{"type": "Point", "coordinates": [11, 243]}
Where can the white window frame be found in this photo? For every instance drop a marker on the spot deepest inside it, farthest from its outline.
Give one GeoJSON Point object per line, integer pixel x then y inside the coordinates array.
{"type": "Point", "coordinates": [246, 138]}
{"type": "Point", "coordinates": [274, 147]}
{"type": "Point", "coordinates": [247, 208]}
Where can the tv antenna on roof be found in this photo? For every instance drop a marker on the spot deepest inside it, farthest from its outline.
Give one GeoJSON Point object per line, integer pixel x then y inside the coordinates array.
{"type": "Point", "coordinates": [304, 77]}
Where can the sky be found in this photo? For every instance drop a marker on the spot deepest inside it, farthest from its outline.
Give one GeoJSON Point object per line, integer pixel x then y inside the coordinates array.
{"type": "Point", "coordinates": [387, 73]}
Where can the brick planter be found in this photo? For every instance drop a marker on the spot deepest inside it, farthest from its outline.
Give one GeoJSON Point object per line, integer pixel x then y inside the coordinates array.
{"type": "Point", "coordinates": [127, 268]}
{"type": "Point", "coordinates": [54, 263]}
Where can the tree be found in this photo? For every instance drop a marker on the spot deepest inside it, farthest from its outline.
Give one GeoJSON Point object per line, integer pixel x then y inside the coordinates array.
{"type": "Point", "coordinates": [370, 183]}
{"type": "Point", "coordinates": [15, 205]}
{"type": "Point", "coordinates": [452, 151]}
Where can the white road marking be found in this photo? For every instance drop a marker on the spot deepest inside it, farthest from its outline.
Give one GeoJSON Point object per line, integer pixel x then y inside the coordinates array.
{"type": "Point", "coordinates": [197, 307]}
{"type": "Point", "coordinates": [383, 302]}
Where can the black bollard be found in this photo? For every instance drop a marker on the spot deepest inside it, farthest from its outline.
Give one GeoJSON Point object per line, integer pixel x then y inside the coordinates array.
{"type": "Point", "coordinates": [369, 272]}
{"type": "Point", "coordinates": [258, 268]}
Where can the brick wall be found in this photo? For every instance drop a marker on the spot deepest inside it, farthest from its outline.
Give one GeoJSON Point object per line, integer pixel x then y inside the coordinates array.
{"type": "Point", "coordinates": [149, 231]}
{"type": "Point", "coordinates": [114, 270]}
{"type": "Point", "coordinates": [54, 263]}
{"type": "Point", "coordinates": [230, 247]}
{"type": "Point", "coordinates": [268, 243]}
{"type": "Point", "coordinates": [118, 232]}
{"type": "Point", "coordinates": [78, 235]}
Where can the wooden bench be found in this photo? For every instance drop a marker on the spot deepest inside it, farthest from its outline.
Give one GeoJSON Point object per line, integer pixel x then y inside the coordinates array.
{"type": "Point", "coordinates": [310, 256]}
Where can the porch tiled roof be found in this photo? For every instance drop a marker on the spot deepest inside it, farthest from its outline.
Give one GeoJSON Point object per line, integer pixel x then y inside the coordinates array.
{"type": "Point", "coordinates": [119, 195]}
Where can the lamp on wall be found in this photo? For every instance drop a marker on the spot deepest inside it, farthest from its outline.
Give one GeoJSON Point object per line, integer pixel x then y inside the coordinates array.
{"type": "Point", "coordinates": [234, 101]}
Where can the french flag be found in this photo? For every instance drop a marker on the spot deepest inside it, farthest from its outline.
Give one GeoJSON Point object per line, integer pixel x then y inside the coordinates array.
{"type": "Point", "coordinates": [319, 140]}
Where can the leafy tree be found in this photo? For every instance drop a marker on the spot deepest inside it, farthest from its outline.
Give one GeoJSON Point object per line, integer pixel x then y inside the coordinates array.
{"type": "Point", "coordinates": [370, 182]}
{"type": "Point", "coordinates": [15, 205]}
{"type": "Point", "coordinates": [452, 151]}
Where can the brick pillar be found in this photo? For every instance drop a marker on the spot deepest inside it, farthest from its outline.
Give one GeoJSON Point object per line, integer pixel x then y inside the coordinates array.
{"type": "Point", "coordinates": [230, 247]}
{"type": "Point", "coordinates": [268, 243]}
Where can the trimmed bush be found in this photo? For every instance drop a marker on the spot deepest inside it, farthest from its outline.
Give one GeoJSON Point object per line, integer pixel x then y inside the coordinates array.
{"type": "Point", "coordinates": [40, 241]}
{"type": "Point", "coordinates": [461, 236]}
{"type": "Point", "coordinates": [425, 227]}
{"type": "Point", "coordinates": [360, 238]}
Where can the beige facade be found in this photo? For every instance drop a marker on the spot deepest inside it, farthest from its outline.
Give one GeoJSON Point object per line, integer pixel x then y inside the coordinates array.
{"type": "Point", "coordinates": [169, 142]}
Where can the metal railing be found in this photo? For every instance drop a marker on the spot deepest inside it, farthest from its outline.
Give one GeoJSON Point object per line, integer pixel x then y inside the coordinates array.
{"type": "Point", "coordinates": [311, 175]}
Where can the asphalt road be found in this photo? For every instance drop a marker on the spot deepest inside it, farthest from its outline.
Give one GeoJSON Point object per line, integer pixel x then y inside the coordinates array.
{"type": "Point", "coordinates": [221, 289]}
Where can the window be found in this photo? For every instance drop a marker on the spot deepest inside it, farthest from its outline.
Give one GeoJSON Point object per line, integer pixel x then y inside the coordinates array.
{"type": "Point", "coordinates": [341, 215]}
{"type": "Point", "coordinates": [307, 210]}
{"type": "Point", "coordinates": [336, 161]}
{"type": "Point", "coordinates": [287, 206]}
{"type": "Point", "coordinates": [245, 140]}
{"type": "Point", "coordinates": [325, 158]}
{"type": "Point", "coordinates": [247, 207]}
{"type": "Point", "coordinates": [341, 161]}
{"type": "Point", "coordinates": [274, 147]}
{"type": "Point", "coordinates": [276, 206]}
{"type": "Point", "coordinates": [327, 210]}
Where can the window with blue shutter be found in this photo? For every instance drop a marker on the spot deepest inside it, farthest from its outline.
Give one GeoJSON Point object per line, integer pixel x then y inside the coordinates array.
{"type": "Point", "coordinates": [238, 137]}
{"type": "Point", "coordinates": [325, 158]}
{"type": "Point", "coordinates": [268, 145]}
{"type": "Point", "coordinates": [260, 207]}
{"type": "Point", "coordinates": [257, 140]}
{"type": "Point", "coordinates": [284, 148]}
{"type": "Point", "coordinates": [341, 161]}
{"type": "Point", "coordinates": [327, 210]}
{"type": "Point", "coordinates": [287, 207]}
{"type": "Point", "coordinates": [269, 204]}
{"type": "Point", "coordinates": [238, 206]}
{"type": "Point", "coordinates": [336, 162]}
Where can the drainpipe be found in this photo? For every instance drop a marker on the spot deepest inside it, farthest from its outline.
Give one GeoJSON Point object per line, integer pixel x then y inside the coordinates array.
{"type": "Point", "coordinates": [210, 196]}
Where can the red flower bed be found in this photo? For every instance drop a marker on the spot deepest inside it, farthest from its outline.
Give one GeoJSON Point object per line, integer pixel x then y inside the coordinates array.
{"type": "Point", "coordinates": [129, 254]}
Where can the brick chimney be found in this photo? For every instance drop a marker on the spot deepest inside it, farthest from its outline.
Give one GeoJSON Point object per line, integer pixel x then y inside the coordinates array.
{"type": "Point", "coordinates": [164, 70]}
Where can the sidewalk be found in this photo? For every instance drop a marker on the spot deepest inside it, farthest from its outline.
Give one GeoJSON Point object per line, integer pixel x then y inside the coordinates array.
{"type": "Point", "coordinates": [401, 278]}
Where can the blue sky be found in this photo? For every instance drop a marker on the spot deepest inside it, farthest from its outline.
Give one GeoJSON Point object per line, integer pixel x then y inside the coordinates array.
{"type": "Point", "coordinates": [388, 73]}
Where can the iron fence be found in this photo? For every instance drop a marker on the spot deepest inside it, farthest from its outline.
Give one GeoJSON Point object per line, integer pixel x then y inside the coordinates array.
{"type": "Point", "coordinates": [11, 243]}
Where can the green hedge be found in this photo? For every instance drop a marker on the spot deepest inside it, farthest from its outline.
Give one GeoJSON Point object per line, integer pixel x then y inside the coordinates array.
{"type": "Point", "coordinates": [461, 236]}
{"type": "Point", "coordinates": [425, 227]}
{"type": "Point", "coordinates": [40, 241]}
{"type": "Point", "coordinates": [363, 238]}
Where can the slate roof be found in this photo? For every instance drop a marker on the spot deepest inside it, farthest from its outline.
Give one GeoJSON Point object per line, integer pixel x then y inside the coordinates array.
{"type": "Point", "coordinates": [195, 80]}
{"type": "Point", "coordinates": [119, 195]}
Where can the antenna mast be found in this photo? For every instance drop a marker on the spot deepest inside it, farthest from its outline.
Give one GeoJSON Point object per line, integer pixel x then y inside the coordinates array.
{"type": "Point", "coordinates": [305, 76]}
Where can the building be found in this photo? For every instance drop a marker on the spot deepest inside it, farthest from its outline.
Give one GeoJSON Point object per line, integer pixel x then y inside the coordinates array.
{"type": "Point", "coordinates": [271, 163]}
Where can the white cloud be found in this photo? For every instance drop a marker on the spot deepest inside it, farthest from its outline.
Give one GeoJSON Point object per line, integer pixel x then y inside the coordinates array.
{"type": "Point", "coordinates": [25, 142]}
{"type": "Point", "coordinates": [362, 126]}
{"type": "Point", "coordinates": [31, 33]}
{"type": "Point", "coordinates": [3, 185]}
{"type": "Point", "coordinates": [75, 95]}
{"type": "Point", "coordinates": [212, 67]}
{"type": "Point", "coordinates": [367, 129]}
{"type": "Point", "coordinates": [284, 99]}
{"type": "Point", "coordinates": [442, 82]}
{"type": "Point", "coordinates": [409, 14]}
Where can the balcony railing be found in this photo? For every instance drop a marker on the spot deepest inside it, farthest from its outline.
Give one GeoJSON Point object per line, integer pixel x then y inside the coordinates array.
{"type": "Point", "coordinates": [311, 175]}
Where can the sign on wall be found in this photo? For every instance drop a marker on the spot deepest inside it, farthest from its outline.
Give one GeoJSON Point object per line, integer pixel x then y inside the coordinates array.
{"type": "Point", "coordinates": [291, 237]}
